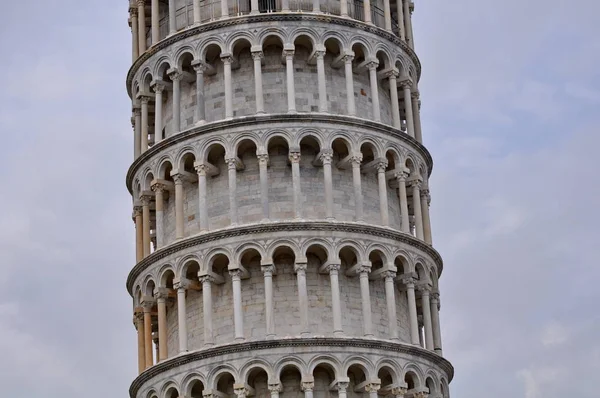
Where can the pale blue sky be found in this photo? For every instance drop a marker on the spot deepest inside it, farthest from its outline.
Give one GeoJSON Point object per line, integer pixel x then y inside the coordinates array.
{"type": "Point", "coordinates": [511, 100]}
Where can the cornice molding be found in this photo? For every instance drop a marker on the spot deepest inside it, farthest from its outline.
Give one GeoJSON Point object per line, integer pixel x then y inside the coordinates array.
{"type": "Point", "coordinates": [281, 227]}
{"type": "Point", "coordinates": [303, 118]}
{"type": "Point", "coordinates": [279, 16]}
{"type": "Point", "coordinates": [296, 342]}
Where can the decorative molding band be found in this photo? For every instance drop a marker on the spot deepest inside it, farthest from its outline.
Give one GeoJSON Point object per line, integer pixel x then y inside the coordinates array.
{"type": "Point", "coordinates": [279, 16]}
{"type": "Point", "coordinates": [302, 118]}
{"type": "Point", "coordinates": [281, 227]}
{"type": "Point", "coordinates": [296, 342]}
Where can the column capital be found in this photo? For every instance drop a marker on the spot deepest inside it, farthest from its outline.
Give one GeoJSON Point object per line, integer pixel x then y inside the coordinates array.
{"type": "Point", "coordinates": [236, 274]}
{"type": "Point", "coordinates": [388, 274]}
{"type": "Point", "coordinates": [372, 65]}
{"type": "Point", "coordinates": [399, 391]}
{"type": "Point", "coordinates": [137, 111]}
{"type": "Point", "coordinates": [181, 283]}
{"type": "Point", "coordinates": [241, 392]}
{"type": "Point", "coordinates": [300, 267]}
{"type": "Point", "coordinates": [227, 59]}
{"type": "Point", "coordinates": [206, 279]}
{"type": "Point", "coordinates": [144, 99]}
{"type": "Point", "coordinates": [294, 156]}
{"type": "Point", "coordinates": [356, 159]}
{"type": "Point", "coordinates": [158, 86]}
{"type": "Point", "coordinates": [406, 83]}
{"type": "Point", "coordinates": [392, 73]}
{"type": "Point", "coordinates": [416, 183]}
{"type": "Point", "coordinates": [372, 387]}
{"type": "Point", "coordinates": [424, 289]}
{"type": "Point", "coordinates": [409, 281]}
{"type": "Point", "coordinates": [263, 158]}
{"type": "Point", "coordinates": [257, 55]}
{"type": "Point", "coordinates": [174, 74]}
{"type": "Point", "coordinates": [289, 53]}
{"type": "Point", "coordinates": [381, 166]}
{"type": "Point", "coordinates": [421, 394]}
{"type": "Point", "coordinates": [161, 293]}
{"type": "Point", "coordinates": [326, 156]}
{"type": "Point", "coordinates": [319, 54]}
{"type": "Point", "coordinates": [147, 303]}
{"type": "Point", "coordinates": [401, 176]}
{"type": "Point", "coordinates": [200, 66]}
{"type": "Point", "coordinates": [275, 387]}
{"type": "Point", "coordinates": [341, 385]}
{"type": "Point", "coordinates": [415, 94]}
{"type": "Point", "coordinates": [141, 3]}
{"type": "Point", "coordinates": [435, 297]}
{"type": "Point", "coordinates": [178, 178]}
{"type": "Point", "coordinates": [333, 268]}
{"type": "Point", "coordinates": [268, 270]}
{"type": "Point", "coordinates": [232, 163]}
{"type": "Point", "coordinates": [201, 169]}
{"type": "Point", "coordinates": [137, 211]}
{"type": "Point", "coordinates": [363, 270]}
{"type": "Point", "coordinates": [308, 385]}
{"type": "Point", "coordinates": [133, 11]}
{"type": "Point", "coordinates": [158, 187]}
{"type": "Point", "coordinates": [146, 199]}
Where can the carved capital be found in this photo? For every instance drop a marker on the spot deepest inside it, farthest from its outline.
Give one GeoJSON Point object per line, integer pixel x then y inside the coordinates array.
{"type": "Point", "coordinates": [405, 84]}
{"type": "Point", "coordinates": [288, 54]}
{"type": "Point", "coordinates": [263, 158]}
{"type": "Point", "coordinates": [333, 268]}
{"type": "Point", "coordinates": [141, 3]}
{"type": "Point", "coordinates": [158, 86]}
{"type": "Point", "coordinates": [363, 270]}
{"type": "Point", "coordinates": [294, 157]}
{"type": "Point", "coordinates": [267, 270]}
{"type": "Point", "coordinates": [199, 66]}
{"type": "Point", "coordinates": [145, 199]}
{"type": "Point", "coordinates": [409, 281]}
{"type": "Point", "coordinates": [415, 95]}
{"type": "Point", "coordinates": [235, 274]}
{"type": "Point", "coordinates": [201, 169]}
{"type": "Point", "coordinates": [373, 387]}
{"type": "Point", "coordinates": [421, 394]}
{"type": "Point", "coordinates": [300, 267]}
{"type": "Point", "coordinates": [181, 284]}
{"type": "Point", "coordinates": [206, 279]}
{"type": "Point", "coordinates": [241, 392]}
{"type": "Point", "coordinates": [158, 187]}
{"type": "Point", "coordinates": [392, 74]}
{"type": "Point", "coordinates": [356, 159]}
{"type": "Point", "coordinates": [137, 211]}
{"type": "Point", "coordinates": [320, 54]}
{"type": "Point", "coordinates": [275, 388]}
{"type": "Point", "coordinates": [415, 184]}
{"type": "Point", "coordinates": [137, 112]}
{"type": "Point", "coordinates": [399, 392]}
{"type": "Point", "coordinates": [348, 59]}
{"type": "Point", "coordinates": [145, 99]}
{"type": "Point", "coordinates": [257, 55]}
{"type": "Point", "coordinates": [381, 166]}
{"type": "Point", "coordinates": [178, 178]}
{"type": "Point", "coordinates": [401, 176]}
{"type": "Point", "coordinates": [227, 59]}
{"type": "Point", "coordinates": [308, 385]}
{"type": "Point", "coordinates": [435, 297]}
{"type": "Point", "coordinates": [174, 74]}
{"type": "Point", "coordinates": [341, 385]}
{"type": "Point", "coordinates": [326, 156]}
{"type": "Point", "coordinates": [388, 274]}
{"type": "Point", "coordinates": [231, 163]}
{"type": "Point", "coordinates": [133, 12]}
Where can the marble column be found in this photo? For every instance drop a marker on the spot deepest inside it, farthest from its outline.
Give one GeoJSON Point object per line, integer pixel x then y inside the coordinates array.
{"type": "Point", "coordinates": [367, 10]}
{"type": "Point", "coordinates": [425, 200]}
{"type": "Point", "coordinates": [416, 116]}
{"type": "Point", "coordinates": [400, 10]}
{"type": "Point", "coordinates": [326, 158]}
{"type": "Point", "coordinates": [341, 387]}
{"type": "Point", "coordinates": [300, 269]}
{"type": "Point", "coordinates": [289, 73]}
{"type": "Point", "coordinates": [356, 182]}
{"type": "Point", "coordinates": [399, 392]}
{"type": "Point", "coordinates": [161, 302]}
{"type": "Point", "coordinates": [336, 305]}
{"type": "Point", "coordinates": [139, 324]}
{"type": "Point", "coordinates": [159, 190]}
{"type": "Point", "coordinates": [172, 15]}
{"type": "Point", "coordinates": [139, 233]}
{"type": "Point", "coordinates": [372, 389]}
{"type": "Point", "coordinates": [295, 160]}
{"type": "Point", "coordinates": [308, 387]}
{"type": "Point", "coordinates": [145, 200]}
{"type": "Point", "coordinates": [155, 22]}
{"type": "Point", "coordinates": [137, 138]}
{"type": "Point", "coordinates": [207, 282]}
{"type": "Point", "coordinates": [363, 273]}
{"type": "Point", "coordinates": [227, 61]}
{"type": "Point", "coordinates": [232, 170]}
{"type": "Point", "coordinates": [344, 8]}
{"type": "Point", "coordinates": [274, 389]}
{"type": "Point", "coordinates": [159, 88]}
{"type": "Point", "coordinates": [135, 45]}
{"type": "Point", "coordinates": [401, 178]}
{"type": "Point", "coordinates": [197, 14]}
{"type": "Point", "coordinates": [141, 4]}
{"type": "Point", "coordinates": [387, 15]}
{"type": "Point", "coordinates": [238, 317]}
{"type": "Point", "coordinates": [144, 99]}
{"type": "Point", "coordinates": [254, 7]}
{"type": "Point", "coordinates": [426, 308]}
{"type": "Point", "coordinates": [410, 127]}
{"type": "Point", "coordinates": [224, 9]}
{"type": "Point", "coordinates": [412, 310]}
{"type": "Point", "coordinates": [415, 185]}
{"type": "Point", "coordinates": [148, 334]}
{"type": "Point", "coordinates": [268, 280]}
{"type": "Point", "coordinates": [263, 162]}
{"type": "Point", "coordinates": [320, 55]}
{"type": "Point", "coordinates": [181, 287]}
{"type": "Point", "coordinates": [390, 300]}
{"type": "Point", "coordinates": [392, 75]}
{"type": "Point", "coordinates": [179, 216]}
{"type": "Point", "coordinates": [408, 23]}
{"type": "Point", "coordinates": [175, 77]}
{"type": "Point", "coordinates": [316, 6]}
{"type": "Point", "coordinates": [258, 56]}
{"type": "Point", "coordinates": [383, 200]}
{"type": "Point", "coordinates": [374, 90]}
{"type": "Point", "coordinates": [435, 320]}
{"type": "Point", "coordinates": [349, 84]}
{"type": "Point", "coordinates": [202, 196]}
{"type": "Point", "coordinates": [200, 68]}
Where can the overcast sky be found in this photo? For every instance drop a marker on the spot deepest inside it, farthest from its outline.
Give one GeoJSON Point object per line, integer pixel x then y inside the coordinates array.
{"type": "Point", "coordinates": [511, 113]}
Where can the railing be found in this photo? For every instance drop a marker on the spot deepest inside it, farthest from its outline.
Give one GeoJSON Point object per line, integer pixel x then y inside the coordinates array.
{"type": "Point", "coordinates": [210, 10]}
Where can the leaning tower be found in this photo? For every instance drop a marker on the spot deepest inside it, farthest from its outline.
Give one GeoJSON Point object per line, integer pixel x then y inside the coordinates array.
{"type": "Point", "coordinates": [281, 202]}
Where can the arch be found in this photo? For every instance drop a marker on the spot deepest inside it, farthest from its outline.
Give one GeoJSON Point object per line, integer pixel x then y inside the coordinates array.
{"type": "Point", "coordinates": [148, 178]}
{"type": "Point", "coordinates": [411, 164]}
{"type": "Point", "coordinates": [304, 37]}
{"type": "Point", "coordinates": [289, 362]}
{"type": "Point", "coordinates": [165, 166]}
{"type": "Point", "coordinates": [377, 258]}
{"type": "Point", "coordinates": [151, 394]}
{"type": "Point", "coordinates": [420, 269]}
{"type": "Point", "coordinates": [137, 296]}
{"type": "Point", "coordinates": [383, 57]}
{"type": "Point", "coordinates": [218, 372]}
{"type": "Point", "coordinates": [336, 37]}
{"type": "Point", "coordinates": [246, 249]}
{"type": "Point", "coordinates": [146, 79]}
{"type": "Point", "coordinates": [183, 54]}
{"type": "Point", "coordinates": [343, 138]}
{"type": "Point", "coordinates": [310, 134]}
{"type": "Point", "coordinates": [369, 149]}
{"type": "Point", "coordinates": [183, 155]}
{"type": "Point", "coordinates": [354, 248]}
{"type": "Point", "coordinates": [386, 365]}
{"type": "Point", "coordinates": [400, 64]}
{"type": "Point", "coordinates": [239, 41]}
{"type": "Point", "coordinates": [413, 376]}
{"type": "Point", "coordinates": [215, 143]}
{"type": "Point", "coordinates": [186, 262]}
{"type": "Point", "coordinates": [149, 286]}
{"type": "Point", "coordinates": [320, 248]}
{"type": "Point", "coordinates": [362, 50]}
{"type": "Point", "coordinates": [277, 135]}
{"type": "Point", "coordinates": [272, 35]}
{"type": "Point", "coordinates": [254, 364]}
{"type": "Point", "coordinates": [325, 360]}
{"type": "Point", "coordinates": [365, 365]}
{"type": "Point", "coordinates": [169, 387]}
{"type": "Point", "coordinates": [383, 250]}
{"type": "Point", "coordinates": [431, 382]}
{"type": "Point", "coordinates": [402, 262]}
{"type": "Point", "coordinates": [393, 158]}
{"type": "Point", "coordinates": [243, 139]}
{"type": "Point", "coordinates": [188, 383]}
{"type": "Point", "coordinates": [162, 66]}
{"type": "Point", "coordinates": [166, 275]}
{"type": "Point", "coordinates": [211, 50]}
{"type": "Point", "coordinates": [444, 391]}
{"type": "Point", "coordinates": [220, 257]}
{"type": "Point", "coordinates": [274, 247]}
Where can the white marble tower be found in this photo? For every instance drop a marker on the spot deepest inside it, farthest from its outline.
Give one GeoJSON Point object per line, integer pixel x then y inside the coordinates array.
{"type": "Point", "coordinates": [281, 202]}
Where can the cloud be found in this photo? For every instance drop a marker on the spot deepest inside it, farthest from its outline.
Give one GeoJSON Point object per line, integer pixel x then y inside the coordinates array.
{"type": "Point", "coordinates": [554, 334]}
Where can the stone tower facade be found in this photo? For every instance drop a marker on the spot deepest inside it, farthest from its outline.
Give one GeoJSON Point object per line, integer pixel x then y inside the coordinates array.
{"type": "Point", "coordinates": [281, 202]}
